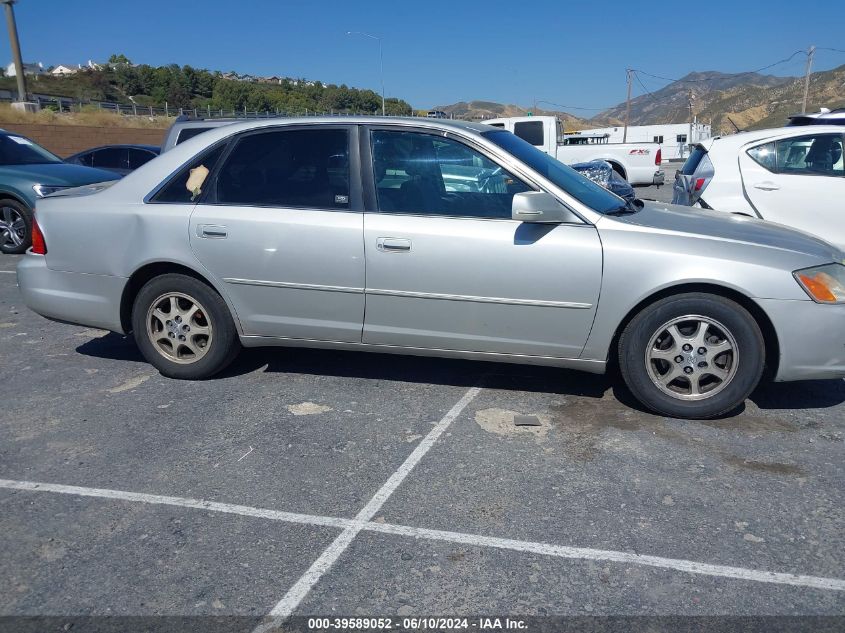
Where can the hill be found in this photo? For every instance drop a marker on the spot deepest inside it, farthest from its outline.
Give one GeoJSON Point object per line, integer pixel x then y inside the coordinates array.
{"type": "Point", "coordinates": [479, 110]}
{"type": "Point", "coordinates": [750, 100]}
{"type": "Point", "coordinates": [187, 87]}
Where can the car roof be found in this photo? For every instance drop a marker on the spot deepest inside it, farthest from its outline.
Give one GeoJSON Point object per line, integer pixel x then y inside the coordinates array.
{"type": "Point", "coordinates": [152, 148]}
{"type": "Point", "coordinates": [741, 138]}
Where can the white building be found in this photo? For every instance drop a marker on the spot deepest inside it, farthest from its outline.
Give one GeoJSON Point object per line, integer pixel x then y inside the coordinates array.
{"type": "Point", "coordinates": [63, 69]}
{"type": "Point", "coordinates": [28, 69]}
{"type": "Point", "coordinates": [674, 144]}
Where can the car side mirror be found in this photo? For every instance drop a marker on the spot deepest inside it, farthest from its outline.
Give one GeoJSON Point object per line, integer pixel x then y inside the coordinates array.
{"type": "Point", "coordinates": [541, 207]}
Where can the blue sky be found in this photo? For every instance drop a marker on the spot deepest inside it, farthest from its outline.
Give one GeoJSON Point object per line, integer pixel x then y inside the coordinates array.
{"type": "Point", "coordinates": [570, 53]}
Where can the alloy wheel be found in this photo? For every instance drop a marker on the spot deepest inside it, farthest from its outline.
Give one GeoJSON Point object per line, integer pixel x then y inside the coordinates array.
{"type": "Point", "coordinates": [179, 328]}
{"type": "Point", "coordinates": [692, 357]}
{"type": "Point", "coordinates": [12, 227]}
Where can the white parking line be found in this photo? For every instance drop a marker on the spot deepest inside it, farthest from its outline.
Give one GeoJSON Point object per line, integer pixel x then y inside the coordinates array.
{"type": "Point", "coordinates": [285, 607]}
{"type": "Point", "coordinates": [198, 504]}
{"type": "Point", "coordinates": [476, 540]}
{"type": "Point", "coordinates": [8, 272]}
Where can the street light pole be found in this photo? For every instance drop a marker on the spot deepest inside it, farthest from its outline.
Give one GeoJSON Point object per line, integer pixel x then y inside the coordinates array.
{"type": "Point", "coordinates": [16, 48]}
{"type": "Point", "coordinates": [381, 63]}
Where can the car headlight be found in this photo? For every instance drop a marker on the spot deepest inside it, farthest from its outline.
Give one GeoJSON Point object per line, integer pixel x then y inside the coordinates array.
{"type": "Point", "coordinates": [824, 284]}
{"type": "Point", "coordinates": [46, 190]}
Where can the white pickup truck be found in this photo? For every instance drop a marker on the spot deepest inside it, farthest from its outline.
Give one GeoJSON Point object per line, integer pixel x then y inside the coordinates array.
{"type": "Point", "coordinates": [638, 163]}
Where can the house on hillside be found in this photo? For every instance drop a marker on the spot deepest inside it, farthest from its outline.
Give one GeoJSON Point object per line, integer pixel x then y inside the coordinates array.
{"type": "Point", "coordinates": [64, 69]}
{"type": "Point", "coordinates": [28, 69]}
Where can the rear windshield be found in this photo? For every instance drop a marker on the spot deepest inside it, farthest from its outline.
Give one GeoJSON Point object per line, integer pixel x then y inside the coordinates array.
{"type": "Point", "coordinates": [582, 189]}
{"type": "Point", "coordinates": [190, 132]}
{"type": "Point", "coordinates": [692, 162]}
{"type": "Point", "coordinates": [17, 150]}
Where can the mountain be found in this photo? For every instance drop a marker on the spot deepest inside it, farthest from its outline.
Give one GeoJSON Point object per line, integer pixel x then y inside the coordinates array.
{"type": "Point", "coordinates": [479, 110]}
{"type": "Point", "coordinates": [750, 100]}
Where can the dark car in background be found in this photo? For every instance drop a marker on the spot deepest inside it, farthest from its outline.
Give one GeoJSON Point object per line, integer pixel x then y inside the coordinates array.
{"type": "Point", "coordinates": [29, 172]}
{"type": "Point", "coordinates": [121, 159]}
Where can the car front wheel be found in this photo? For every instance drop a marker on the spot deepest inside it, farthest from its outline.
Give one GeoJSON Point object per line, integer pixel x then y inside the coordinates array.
{"type": "Point", "coordinates": [183, 327]}
{"type": "Point", "coordinates": [693, 356]}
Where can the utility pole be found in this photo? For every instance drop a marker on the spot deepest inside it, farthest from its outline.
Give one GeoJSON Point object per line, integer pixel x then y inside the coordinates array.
{"type": "Point", "coordinates": [629, 72]}
{"type": "Point", "coordinates": [16, 49]}
{"type": "Point", "coordinates": [690, 98]}
{"type": "Point", "coordinates": [810, 52]}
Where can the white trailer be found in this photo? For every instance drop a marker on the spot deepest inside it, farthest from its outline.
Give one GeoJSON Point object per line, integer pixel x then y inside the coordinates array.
{"type": "Point", "coordinates": [673, 138]}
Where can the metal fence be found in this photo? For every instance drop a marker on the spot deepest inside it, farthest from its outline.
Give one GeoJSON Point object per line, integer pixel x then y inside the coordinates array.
{"type": "Point", "coordinates": [69, 104]}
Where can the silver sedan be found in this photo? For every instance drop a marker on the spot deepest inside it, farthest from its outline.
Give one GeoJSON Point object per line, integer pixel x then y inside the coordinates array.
{"type": "Point", "coordinates": [437, 238]}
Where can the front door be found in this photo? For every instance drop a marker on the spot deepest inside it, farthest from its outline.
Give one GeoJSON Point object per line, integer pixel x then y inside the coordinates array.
{"type": "Point", "coordinates": [447, 267]}
{"type": "Point", "coordinates": [281, 230]}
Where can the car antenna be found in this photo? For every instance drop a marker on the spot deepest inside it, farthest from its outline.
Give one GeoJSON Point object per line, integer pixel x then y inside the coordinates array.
{"type": "Point", "coordinates": [734, 124]}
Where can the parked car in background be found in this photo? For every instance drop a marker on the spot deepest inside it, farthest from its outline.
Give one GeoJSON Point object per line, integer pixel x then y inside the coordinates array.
{"type": "Point", "coordinates": [792, 175]}
{"type": "Point", "coordinates": [462, 240]}
{"type": "Point", "coordinates": [822, 117]}
{"type": "Point", "coordinates": [601, 172]}
{"type": "Point", "coordinates": [121, 159]}
{"type": "Point", "coordinates": [29, 172]}
{"type": "Point", "coordinates": [185, 128]}
{"type": "Point", "coordinates": [638, 163]}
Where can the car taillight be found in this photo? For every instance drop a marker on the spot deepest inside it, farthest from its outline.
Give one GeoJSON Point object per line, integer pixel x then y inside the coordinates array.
{"type": "Point", "coordinates": [39, 246]}
{"type": "Point", "coordinates": [699, 183]}
{"type": "Point", "coordinates": [658, 158]}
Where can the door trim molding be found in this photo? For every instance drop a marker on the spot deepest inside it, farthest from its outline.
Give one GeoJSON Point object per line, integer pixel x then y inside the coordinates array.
{"type": "Point", "coordinates": [473, 299]}
{"type": "Point", "coordinates": [294, 286]}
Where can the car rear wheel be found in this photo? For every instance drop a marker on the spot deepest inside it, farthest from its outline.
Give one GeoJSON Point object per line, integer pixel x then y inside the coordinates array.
{"type": "Point", "coordinates": [693, 356]}
{"type": "Point", "coordinates": [183, 327]}
{"type": "Point", "coordinates": [15, 227]}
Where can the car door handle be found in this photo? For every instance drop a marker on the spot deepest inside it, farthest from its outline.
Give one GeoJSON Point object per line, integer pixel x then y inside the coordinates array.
{"type": "Point", "coordinates": [767, 186]}
{"type": "Point", "coordinates": [393, 244]}
{"type": "Point", "coordinates": [212, 231]}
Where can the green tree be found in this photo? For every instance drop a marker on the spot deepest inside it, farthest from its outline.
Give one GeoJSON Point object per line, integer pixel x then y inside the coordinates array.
{"type": "Point", "coordinates": [119, 58]}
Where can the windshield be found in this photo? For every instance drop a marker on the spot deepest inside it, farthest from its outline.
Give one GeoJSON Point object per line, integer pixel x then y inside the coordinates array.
{"type": "Point", "coordinates": [17, 150]}
{"type": "Point", "coordinates": [582, 189]}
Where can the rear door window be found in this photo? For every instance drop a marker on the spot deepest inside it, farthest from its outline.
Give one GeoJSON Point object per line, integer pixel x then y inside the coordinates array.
{"type": "Point", "coordinates": [764, 155]}
{"type": "Point", "coordinates": [111, 158]}
{"type": "Point", "coordinates": [530, 131]}
{"type": "Point", "coordinates": [176, 190]}
{"type": "Point", "coordinates": [138, 157]}
{"type": "Point", "coordinates": [287, 168]}
{"type": "Point", "coordinates": [817, 154]}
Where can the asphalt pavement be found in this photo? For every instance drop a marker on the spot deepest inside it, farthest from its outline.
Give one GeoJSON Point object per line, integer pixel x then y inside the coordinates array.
{"type": "Point", "coordinates": [306, 483]}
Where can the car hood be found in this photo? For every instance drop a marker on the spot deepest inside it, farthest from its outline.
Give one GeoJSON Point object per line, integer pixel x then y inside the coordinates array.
{"type": "Point", "coordinates": [60, 174]}
{"type": "Point", "coordinates": [676, 219]}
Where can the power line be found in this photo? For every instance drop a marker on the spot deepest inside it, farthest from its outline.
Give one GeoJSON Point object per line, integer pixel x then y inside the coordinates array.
{"type": "Point", "coordinates": [747, 72]}
{"type": "Point", "coordinates": [835, 50]}
{"type": "Point", "coordinates": [569, 107]}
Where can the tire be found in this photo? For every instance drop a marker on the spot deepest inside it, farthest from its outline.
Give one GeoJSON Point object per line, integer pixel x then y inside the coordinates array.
{"type": "Point", "coordinates": [183, 327]}
{"type": "Point", "coordinates": [713, 375]}
{"type": "Point", "coordinates": [15, 227]}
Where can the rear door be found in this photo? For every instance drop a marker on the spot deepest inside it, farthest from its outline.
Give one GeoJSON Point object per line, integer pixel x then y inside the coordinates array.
{"type": "Point", "coordinates": [281, 228]}
{"type": "Point", "coordinates": [447, 267]}
{"type": "Point", "coordinates": [800, 182]}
